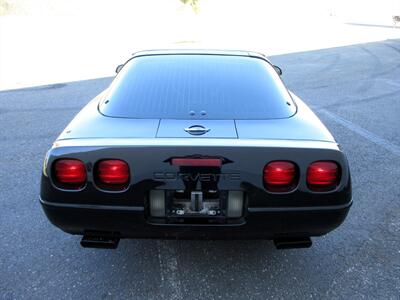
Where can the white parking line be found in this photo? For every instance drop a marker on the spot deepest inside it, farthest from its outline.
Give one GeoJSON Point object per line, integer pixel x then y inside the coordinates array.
{"type": "Point", "coordinates": [363, 132]}
{"type": "Point", "coordinates": [169, 269]}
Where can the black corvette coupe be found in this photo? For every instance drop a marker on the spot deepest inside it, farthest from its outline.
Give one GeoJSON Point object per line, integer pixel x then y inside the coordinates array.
{"type": "Point", "coordinates": [196, 144]}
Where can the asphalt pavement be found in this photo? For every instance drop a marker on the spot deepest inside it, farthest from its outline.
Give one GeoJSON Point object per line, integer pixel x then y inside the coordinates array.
{"type": "Point", "coordinates": [355, 90]}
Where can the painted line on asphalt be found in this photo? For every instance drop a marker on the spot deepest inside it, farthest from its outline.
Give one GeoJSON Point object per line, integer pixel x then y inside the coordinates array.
{"type": "Point", "coordinates": [169, 269]}
{"type": "Point", "coordinates": [363, 132]}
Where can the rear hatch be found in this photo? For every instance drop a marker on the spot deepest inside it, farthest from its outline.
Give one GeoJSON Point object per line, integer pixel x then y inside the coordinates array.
{"type": "Point", "coordinates": [197, 95]}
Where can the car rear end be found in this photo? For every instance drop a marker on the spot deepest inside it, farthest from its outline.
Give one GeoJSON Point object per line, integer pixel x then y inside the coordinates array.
{"type": "Point", "coordinates": [183, 189]}
{"type": "Point", "coordinates": [185, 155]}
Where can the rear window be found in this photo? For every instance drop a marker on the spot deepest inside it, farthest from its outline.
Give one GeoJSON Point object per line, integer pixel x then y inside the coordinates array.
{"type": "Point", "coordinates": [198, 87]}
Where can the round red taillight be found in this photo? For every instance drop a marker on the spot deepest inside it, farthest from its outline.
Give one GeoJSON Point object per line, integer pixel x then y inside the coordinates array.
{"type": "Point", "coordinates": [112, 174]}
{"type": "Point", "coordinates": [69, 173]}
{"type": "Point", "coordinates": [280, 176]}
{"type": "Point", "coordinates": [323, 176]}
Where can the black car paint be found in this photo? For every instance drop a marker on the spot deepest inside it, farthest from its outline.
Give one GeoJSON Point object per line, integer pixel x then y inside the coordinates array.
{"type": "Point", "coordinates": [92, 136]}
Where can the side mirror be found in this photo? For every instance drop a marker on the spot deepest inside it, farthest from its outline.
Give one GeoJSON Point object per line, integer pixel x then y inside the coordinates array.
{"type": "Point", "coordinates": [278, 70]}
{"type": "Point", "coordinates": [119, 68]}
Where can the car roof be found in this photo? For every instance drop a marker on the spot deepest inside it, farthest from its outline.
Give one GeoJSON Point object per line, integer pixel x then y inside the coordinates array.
{"type": "Point", "coordinates": [200, 52]}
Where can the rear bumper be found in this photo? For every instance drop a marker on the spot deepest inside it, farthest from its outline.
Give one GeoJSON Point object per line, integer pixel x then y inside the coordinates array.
{"type": "Point", "coordinates": [130, 222]}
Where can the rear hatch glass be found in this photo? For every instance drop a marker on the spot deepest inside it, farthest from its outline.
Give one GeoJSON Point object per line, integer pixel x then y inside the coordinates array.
{"type": "Point", "coordinates": [198, 87]}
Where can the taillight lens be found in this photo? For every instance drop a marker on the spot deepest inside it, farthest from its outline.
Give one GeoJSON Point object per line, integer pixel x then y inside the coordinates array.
{"type": "Point", "coordinates": [323, 176]}
{"type": "Point", "coordinates": [112, 174]}
{"type": "Point", "coordinates": [280, 176]}
{"type": "Point", "coordinates": [69, 173]}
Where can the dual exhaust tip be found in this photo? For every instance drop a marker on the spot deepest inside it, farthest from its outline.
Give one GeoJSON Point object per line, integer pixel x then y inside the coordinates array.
{"type": "Point", "coordinates": [292, 243]}
{"type": "Point", "coordinates": [99, 242]}
{"type": "Point", "coordinates": [111, 242]}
